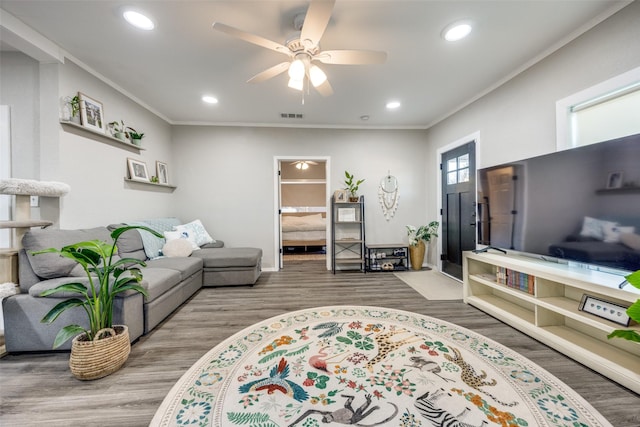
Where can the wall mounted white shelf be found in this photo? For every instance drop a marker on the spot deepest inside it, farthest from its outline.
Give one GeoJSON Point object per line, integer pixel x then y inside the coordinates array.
{"type": "Point", "coordinates": [151, 184]}
{"type": "Point", "coordinates": [98, 136]}
{"type": "Point", "coordinates": [549, 311]}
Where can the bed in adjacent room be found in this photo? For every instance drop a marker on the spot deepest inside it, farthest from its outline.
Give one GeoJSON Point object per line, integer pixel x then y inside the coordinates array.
{"type": "Point", "coordinates": [303, 229]}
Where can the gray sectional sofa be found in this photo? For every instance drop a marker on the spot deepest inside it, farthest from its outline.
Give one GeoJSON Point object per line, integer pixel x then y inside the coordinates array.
{"type": "Point", "coordinates": [169, 281]}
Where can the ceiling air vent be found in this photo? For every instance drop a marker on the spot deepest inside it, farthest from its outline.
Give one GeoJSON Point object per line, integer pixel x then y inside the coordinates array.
{"type": "Point", "coordinates": [291, 116]}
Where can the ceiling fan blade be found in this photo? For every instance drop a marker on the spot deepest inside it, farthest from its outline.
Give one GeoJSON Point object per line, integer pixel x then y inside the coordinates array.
{"type": "Point", "coordinates": [351, 57]}
{"type": "Point", "coordinates": [316, 21]}
{"type": "Point", "coordinates": [251, 38]}
{"type": "Point", "coordinates": [269, 73]}
{"type": "Point", "coordinates": [325, 89]}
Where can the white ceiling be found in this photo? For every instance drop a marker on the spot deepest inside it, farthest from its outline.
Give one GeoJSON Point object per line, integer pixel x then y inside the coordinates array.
{"type": "Point", "coordinates": [171, 67]}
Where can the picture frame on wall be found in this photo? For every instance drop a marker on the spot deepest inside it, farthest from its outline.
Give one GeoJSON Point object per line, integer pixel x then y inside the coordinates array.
{"type": "Point", "coordinates": [138, 170]}
{"type": "Point", "coordinates": [614, 180]}
{"type": "Point", "coordinates": [91, 113]}
{"type": "Point", "coordinates": [340, 196]}
{"type": "Point", "coordinates": [162, 171]}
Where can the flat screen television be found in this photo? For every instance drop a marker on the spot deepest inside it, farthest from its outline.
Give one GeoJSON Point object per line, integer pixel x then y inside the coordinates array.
{"type": "Point", "coordinates": [580, 204]}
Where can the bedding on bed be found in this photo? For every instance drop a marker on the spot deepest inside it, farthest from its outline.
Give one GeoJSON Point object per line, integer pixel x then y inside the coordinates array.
{"type": "Point", "coordinates": [314, 222]}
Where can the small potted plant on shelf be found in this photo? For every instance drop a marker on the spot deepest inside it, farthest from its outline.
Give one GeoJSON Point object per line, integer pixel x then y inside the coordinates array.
{"type": "Point", "coordinates": [352, 186]}
{"type": "Point", "coordinates": [417, 237]}
{"type": "Point", "coordinates": [118, 130]}
{"type": "Point", "coordinates": [71, 109]}
{"type": "Point", "coordinates": [104, 347]}
{"type": "Point", "coordinates": [633, 312]}
{"type": "Point", "coordinates": [135, 136]}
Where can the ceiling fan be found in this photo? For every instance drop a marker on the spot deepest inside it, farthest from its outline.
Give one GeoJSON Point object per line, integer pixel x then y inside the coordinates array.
{"type": "Point", "coordinates": [303, 50]}
{"type": "Point", "coordinates": [303, 164]}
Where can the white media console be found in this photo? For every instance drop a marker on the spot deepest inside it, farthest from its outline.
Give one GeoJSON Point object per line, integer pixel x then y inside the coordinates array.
{"type": "Point", "coordinates": [546, 307]}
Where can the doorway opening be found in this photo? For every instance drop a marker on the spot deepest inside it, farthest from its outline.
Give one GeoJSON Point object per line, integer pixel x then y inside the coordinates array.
{"type": "Point", "coordinates": [303, 212]}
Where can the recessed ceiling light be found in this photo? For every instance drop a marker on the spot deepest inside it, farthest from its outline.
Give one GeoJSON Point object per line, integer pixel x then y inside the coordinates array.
{"type": "Point", "coordinates": [392, 105]}
{"type": "Point", "coordinates": [210, 99]}
{"type": "Point", "coordinates": [457, 31]}
{"type": "Point", "coordinates": [138, 20]}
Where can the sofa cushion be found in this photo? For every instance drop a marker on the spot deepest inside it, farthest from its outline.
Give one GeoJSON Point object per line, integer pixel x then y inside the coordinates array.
{"type": "Point", "coordinates": [152, 244]}
{"type": "Point", "coordinates": [52, 265]}
{"type": "Point", "coordinates": [157, 281]}
{"type": "Point", "coordinates": [178, 235]}
{"type": "Point", "coordinates": [229, 257]}
{"type": "Point", "coordinates": [215, 244]}
{"type": "Point", "coordinates": [129, 243]}
{"type": "Point", "coordinates": [187, 267]}
{"type": "Point", "coordinates": [177, 247]}
{"type": "Point", "coordinates": [196, 231]}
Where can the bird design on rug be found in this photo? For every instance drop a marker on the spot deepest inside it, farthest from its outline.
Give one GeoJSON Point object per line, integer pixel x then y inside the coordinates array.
{"type": "Point", "coordinates": [320, 360]}
{"type": "Point", "coordinates": [277, 381]}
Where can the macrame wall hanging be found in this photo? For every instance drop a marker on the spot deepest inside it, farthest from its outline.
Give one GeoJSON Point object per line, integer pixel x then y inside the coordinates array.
{"type": "Point", "coordinates": [388, 195]}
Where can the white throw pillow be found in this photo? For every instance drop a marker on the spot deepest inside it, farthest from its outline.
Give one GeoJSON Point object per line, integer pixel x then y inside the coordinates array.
{"type": "Point", "coordinates": [612, 232]}
{"type": "Point", "coordinates": [181, 235]}
{"type": "Point", "coordinates": [592, 227]}
{"type": "Point", "coordinates": [177, 248]}
{"type": "Point", "coordinates": [196, 230]}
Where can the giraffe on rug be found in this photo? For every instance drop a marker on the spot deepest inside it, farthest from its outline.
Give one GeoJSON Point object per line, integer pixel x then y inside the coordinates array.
{"type": "Point", "coordinates": [471, 378]}
{"type": "Point", "coordinates": [386, 345]}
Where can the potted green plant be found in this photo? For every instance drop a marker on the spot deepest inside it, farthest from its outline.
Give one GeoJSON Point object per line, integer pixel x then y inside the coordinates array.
{"type": "Point", "coordinates": [352, 186]}
{"type": "Point", "coordinates": [135, 136]}
{"type": "Point", "coordinates": [633, 311]}
{"type": "Point", "coordinates": [72, 109]}
{"type": "Point", "coordinates": [106, 276]}
{"type": "Point", "coordinates": [118, 130]}
{"type": "Point", "coordinates": [417, 237]}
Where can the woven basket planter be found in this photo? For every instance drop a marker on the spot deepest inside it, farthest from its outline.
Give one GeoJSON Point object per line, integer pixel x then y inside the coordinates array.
{"type": "Point", "coordinates": [95, 359]}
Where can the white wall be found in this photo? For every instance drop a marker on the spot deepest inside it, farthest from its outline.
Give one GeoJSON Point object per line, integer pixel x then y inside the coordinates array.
{"type": "Point", "coordinates": [95, 170]}
{"type": "Point", "coordinates": [226, 177]}
{"type": "Point", "coordinates": [19, 89]}
{"type": "Point", "coordinates": [517, 120]}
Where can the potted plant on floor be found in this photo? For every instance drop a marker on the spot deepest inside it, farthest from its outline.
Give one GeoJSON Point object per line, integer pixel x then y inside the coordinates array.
{"type": "Point", "coordinates": [633, 311]}
{"type": "Point", "coordinates": [103, 348]}
{"type": "Point", "coordinates": [352, 186]}
{"type": "Point", "coordinates": [417, 237]}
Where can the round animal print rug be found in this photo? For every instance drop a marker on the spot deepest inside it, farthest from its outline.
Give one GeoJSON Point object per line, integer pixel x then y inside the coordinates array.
{"type": "Point", "coordinates": [368, 366]}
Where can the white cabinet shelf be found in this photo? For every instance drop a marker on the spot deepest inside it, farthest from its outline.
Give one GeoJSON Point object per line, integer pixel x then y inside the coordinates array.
{"type": "Point", "coordinates": [551, 314]}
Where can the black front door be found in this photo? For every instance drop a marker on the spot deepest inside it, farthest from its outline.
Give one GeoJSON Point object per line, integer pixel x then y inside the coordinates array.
{"type": "Point", "coordinates": [458, 206]}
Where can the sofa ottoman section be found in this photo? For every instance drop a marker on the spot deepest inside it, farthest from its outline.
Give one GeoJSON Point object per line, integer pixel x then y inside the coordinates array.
{"type": "Point", "coordinates": [230, 266]}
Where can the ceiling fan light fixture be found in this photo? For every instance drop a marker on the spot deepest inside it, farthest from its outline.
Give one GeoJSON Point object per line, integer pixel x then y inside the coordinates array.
{"type": "Point", "coordinates": [297, 70]}
{"type": "Point", "coordinates": [317, 76]}
{"type": "Point", "coordinates": [295, 84]}
{"type": "Point", "coordinates": [302, 166]}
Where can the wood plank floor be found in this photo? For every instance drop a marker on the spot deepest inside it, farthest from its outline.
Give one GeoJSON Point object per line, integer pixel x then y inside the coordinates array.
{"type": "Point", "coordinates": [38, 389]}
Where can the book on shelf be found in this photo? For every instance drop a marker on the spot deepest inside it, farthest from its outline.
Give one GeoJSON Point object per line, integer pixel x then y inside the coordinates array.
{"type": "Point", "coordinates": [515, 279]}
